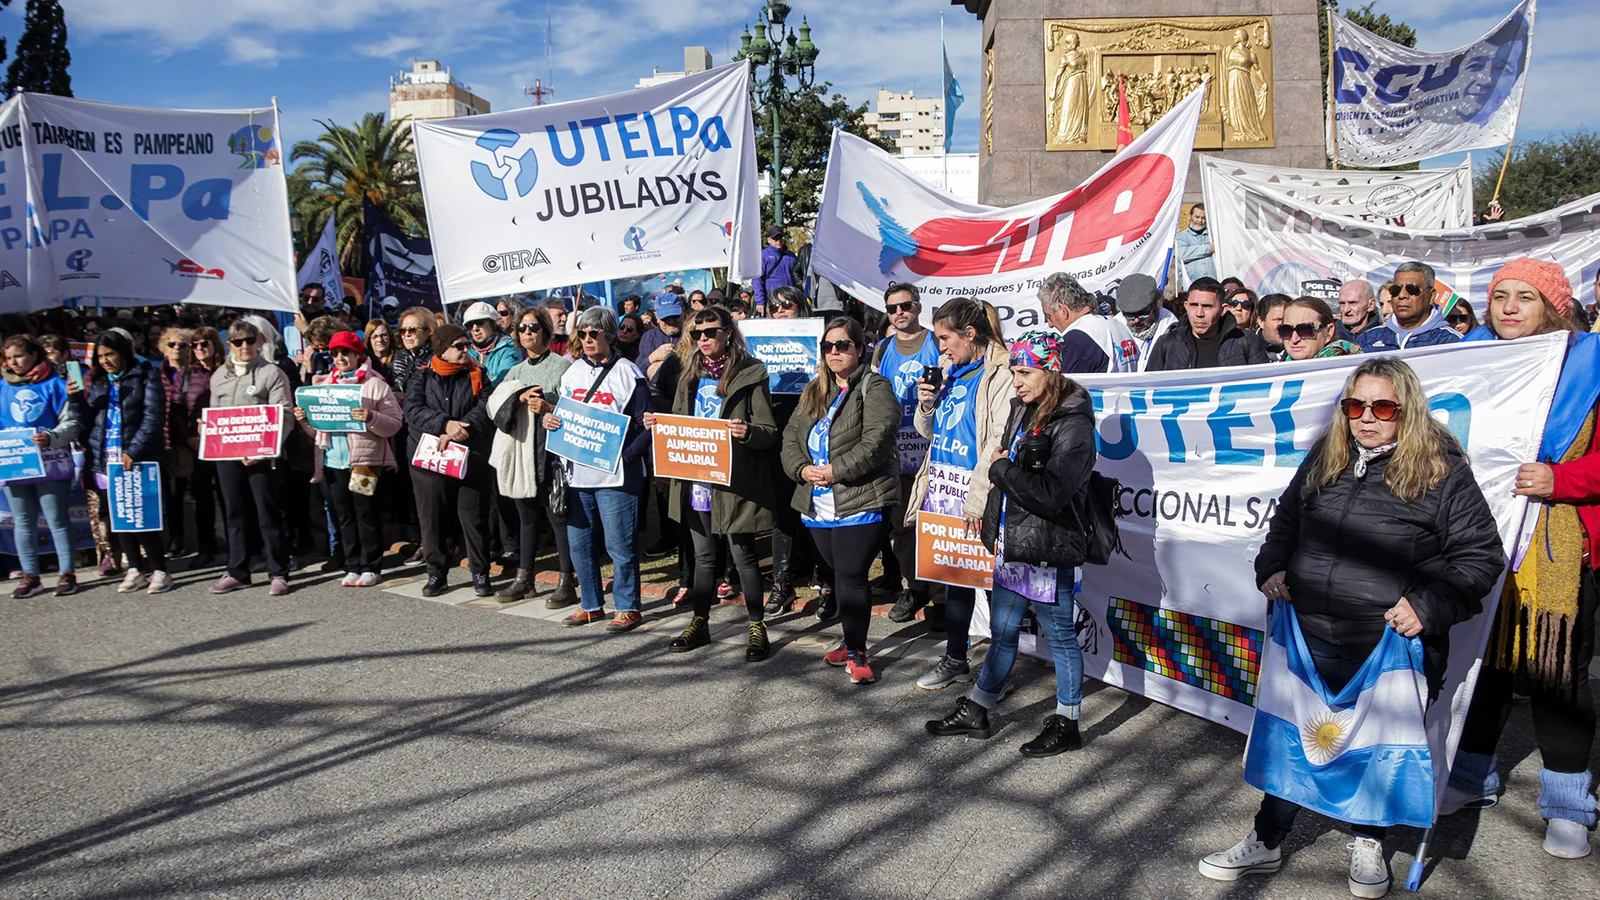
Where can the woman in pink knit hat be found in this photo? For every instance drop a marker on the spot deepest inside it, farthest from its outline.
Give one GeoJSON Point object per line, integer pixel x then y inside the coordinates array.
{"type": "Point", "coordinates": [1545, 627]}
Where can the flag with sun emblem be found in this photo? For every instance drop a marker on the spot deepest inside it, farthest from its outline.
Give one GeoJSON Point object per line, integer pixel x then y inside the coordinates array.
{"type": "Point", "coordinates": [1358, 756]}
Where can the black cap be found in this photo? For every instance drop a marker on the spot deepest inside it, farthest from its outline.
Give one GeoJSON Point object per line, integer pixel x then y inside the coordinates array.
{"type": "Point", "coordinates": [775, 232]}
{"type": "Point", "coordinates": [1137, 294]}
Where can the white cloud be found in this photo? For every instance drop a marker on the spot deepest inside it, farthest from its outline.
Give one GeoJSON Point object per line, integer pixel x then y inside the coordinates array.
{"type": "Point", "coordinates": [245, 49]}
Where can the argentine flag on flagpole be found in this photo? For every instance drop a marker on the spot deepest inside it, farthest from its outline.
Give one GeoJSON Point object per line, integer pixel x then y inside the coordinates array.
{"type": "Point", "coordinates": [952, 91]}
{"type": "Point", "coordinates": [1359, 756]}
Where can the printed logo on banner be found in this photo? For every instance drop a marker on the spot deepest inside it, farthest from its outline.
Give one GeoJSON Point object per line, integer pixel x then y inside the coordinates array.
{"type": "Point", "coordinates": [78, 262]}
{"type": "Point", "coordinates": [324, 261]}
{"type": "Point", "coordinates": [8, 280]}
{"type": "Point", "coordinates": [188, 268]}
{"type": "Point", "coordinates": [515, 259]}
{"type": "Point", "coordinates": [633, 239]}
{"type": "Point", "coordinates": [491, 177]}
{"type": "Point", "coordinates": [257, 145]}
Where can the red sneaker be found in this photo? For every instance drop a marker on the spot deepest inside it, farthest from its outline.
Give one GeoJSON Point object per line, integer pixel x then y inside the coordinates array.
{"type": "Point", "coordinates": [838, 656]}
{"type": "Point", "coordinates": [858, 670]}
{"type": "Point", "coordinates": [30, 585]}
{"type": "Point", "coordinates": [624, 621]}
{"type": "Point", "coordinates": [680, 596]}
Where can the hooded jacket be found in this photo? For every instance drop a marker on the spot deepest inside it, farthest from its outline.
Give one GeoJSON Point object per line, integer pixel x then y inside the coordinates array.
{"type": "Point", "coordinates": [861, 444]}
{"type": "Point", "coordinates": [1434, 330]}
{"type": "Point", "coordinates": [1178, 349]}
{"type": "Point", "coordinates": [144, 406]}
{"type": "Point", "coordinates": [777, 270]}
{"type": "Point", "coordinates": [1039, 517]}
{"type": "Point", "coordinates": [745, 505]}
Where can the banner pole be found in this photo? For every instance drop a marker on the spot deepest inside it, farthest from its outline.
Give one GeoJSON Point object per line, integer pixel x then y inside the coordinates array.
{"type": "Point", "coordinates": [1504, 163]}
{"type": "Point", "coordinates": [1333, 121]}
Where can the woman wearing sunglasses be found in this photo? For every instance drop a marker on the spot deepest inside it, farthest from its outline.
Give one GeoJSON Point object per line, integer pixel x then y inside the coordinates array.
{"type": "Point", "coordinates": [1382, 527]}
{"type": "Point", "coordinates": [186, 384]}
{"type": "Point", "coordinates": [127, 418]}
{"type": "Point", "coordinates": [839, 448]}
{"type": "Point", "coordinates": [1308, 331]}
{"type": "Point", "coordinates": [1544, 630]}
{"type": "Point", "coordinates": [251, 487]}
{"type": "Point", "coordinates": [521, 465]}
{"type": "Point", "coordinates": [721, 380]}
{"type": "Point", "coordinates": [608, 499]}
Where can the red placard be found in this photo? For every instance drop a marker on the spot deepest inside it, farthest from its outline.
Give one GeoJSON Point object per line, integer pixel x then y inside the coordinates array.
{"type": "Point", "coordinates": [82, 351]}
{"type": "Point", "coordinates": [241, 432]}
{"type": "Point", "coordinates": [443, 457]}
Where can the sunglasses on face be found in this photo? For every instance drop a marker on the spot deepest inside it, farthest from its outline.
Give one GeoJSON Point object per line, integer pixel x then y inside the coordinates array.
{"type": "Point", "coordinates": [591, 334]}
{"type": "Point", "coordinates": [785, 304]}
{"type": "Point", "coordinates": [700, 334]}
{"type": "Point", "coordinates": [179, 345]}
{"type": "Point", "coordinates": [413, 330]}
{"type": "Point", "coordinates": [530, 328]}
{"type": "Point", "coordinates": [908, 306]}
{"type": "Point", "coordinates": [463, 346]}
{"type": "Point", "coordinates": [1305, 330]}
{"type": "Point", "coordinates": [243, 342]}
{"type": "Point", "coordinates": [1382, 410]}
{"type": "Point", "coordinates": [502, 313]}
{"type": "Point", "coordinates": [843, 346]}
{"type": "Point", "coordinates": [1456, 318]}
{"type": "Point", "coordinates": [1241, 304]}
{"type": "Point", "coordinates": [1412, 289]}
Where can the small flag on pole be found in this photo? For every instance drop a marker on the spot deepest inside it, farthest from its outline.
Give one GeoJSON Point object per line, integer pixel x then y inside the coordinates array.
{"type": "Point", "coordinates": [1124, 122]}
{"type": "Point", "coordinates": [952, 91]}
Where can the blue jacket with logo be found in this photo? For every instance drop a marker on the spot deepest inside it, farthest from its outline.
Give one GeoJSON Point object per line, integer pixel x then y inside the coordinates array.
{"type": "Point", "coordinates": [1433, 331]}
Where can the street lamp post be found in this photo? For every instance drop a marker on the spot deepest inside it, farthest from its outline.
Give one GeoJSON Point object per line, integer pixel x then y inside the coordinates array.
{"type": "Point", "coordinates": [785, 51]}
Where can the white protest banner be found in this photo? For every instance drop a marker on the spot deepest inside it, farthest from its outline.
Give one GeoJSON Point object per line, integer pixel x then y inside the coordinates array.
{"type": "Point", "coordinates": [879, 224]}
{"type": "Point", "coordinates": [1428, 199]}
{"type": "Point", "coordinates": [321, 265]}
{"type": "Point", "coordinates": [1394, 105]}
{"type": "Point", "coordinates": [789, 348]}
{"type": "Point", "coordinates": [608, 187]}
{"type": "Point", "coordinates": [1285, 246]}
{"type": "Point", "coordinates": [1202, 460]}
{"type": "Point", "coordinates": [149, 205]}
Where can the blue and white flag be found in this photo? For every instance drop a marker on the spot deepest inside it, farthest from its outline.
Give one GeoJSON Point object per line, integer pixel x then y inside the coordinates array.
{"type": "Point", "coordinates": [953, 97]}
{"type": "Point", "coordinates": [1358, 756]}
{"type": "Point", "coordinates": [321, 266]}
{"type": "Point", "coordinates": [1393, 105]}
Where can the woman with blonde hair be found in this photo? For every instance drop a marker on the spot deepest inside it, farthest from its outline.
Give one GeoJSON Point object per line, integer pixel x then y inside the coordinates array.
{"type": "Point", "coordinates": [1382, 526]}
{"type": "Point", "coordinates": [187, 386]}
{"type": "Point", "coordinates": [1543, 634]}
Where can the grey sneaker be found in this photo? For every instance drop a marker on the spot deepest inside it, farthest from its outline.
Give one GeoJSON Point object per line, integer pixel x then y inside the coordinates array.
{"type": "Point", "coordinates": [947, 672]}
{"type": "Point", "coordinates": [1369, 874]}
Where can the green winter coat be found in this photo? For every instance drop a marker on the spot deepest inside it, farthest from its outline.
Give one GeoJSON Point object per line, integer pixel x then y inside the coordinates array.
{"type": "Point", "coordinates": [745, 505]}
{"type": "Point", "coordinates": [866, 464]}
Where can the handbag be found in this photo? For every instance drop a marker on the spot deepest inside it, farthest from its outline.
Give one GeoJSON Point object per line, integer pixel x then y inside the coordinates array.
{"type": "Point", "coordinates": [558, 499]}
{"type": "Point", "coordinates": [363, 480]}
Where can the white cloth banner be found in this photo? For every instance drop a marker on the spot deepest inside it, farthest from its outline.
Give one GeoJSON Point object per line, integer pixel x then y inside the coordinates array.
{"type": "Point", "coordinates": [1394, 105]}
{"type": "Point", "coordinates": [609, 187]}
{"type": "Point", "coordinates": [142, 206]}
{"type": "Point", "coordinates": [880, 224]}
{"type": "Point", "coordinates": [1429, 199]}
{"type": "Point", "coordinates": [1289, 247]}
{"type": "Point", "coordinates": [321, 265]}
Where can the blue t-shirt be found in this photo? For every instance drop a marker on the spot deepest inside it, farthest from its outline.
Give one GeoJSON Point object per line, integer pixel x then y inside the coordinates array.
{"type": "Point", "coordinates": [817, 445]}
{"type": "Point", "coordinates": [903, 372]}
{"type": "Point", "coordinates": [953, 453]}
{"type": "Point", "coordinates": [707, 405]}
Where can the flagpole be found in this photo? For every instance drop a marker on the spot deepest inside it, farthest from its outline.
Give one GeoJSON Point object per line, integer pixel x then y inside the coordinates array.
{"type": "Point", "coordinates": [944, 104]}
{"type": "Point", "coordinates": [1333, 120]}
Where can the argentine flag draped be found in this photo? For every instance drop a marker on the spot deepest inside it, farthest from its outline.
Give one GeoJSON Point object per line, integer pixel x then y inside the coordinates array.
{"type": "Point", "coordinates": [1359, 756]}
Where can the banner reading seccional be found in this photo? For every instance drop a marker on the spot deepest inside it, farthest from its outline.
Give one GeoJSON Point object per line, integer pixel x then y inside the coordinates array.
{"type": "Point", "coordinates": [608, 187]}
{"type": "Point", "coordinates": [692, 448]}
{"type": "Point", "coordinates": [949, 554]}
{"type": "Point", "coordinates": [789, 348]}
{"type": "Point", "coordinates": [879, 224]}
{"type": "Point", "coordinates": [1426, 199]}
{"type": "Point", "coordinates": [329, 407]}
{"type": "Point", "coordinates": [241, 432]}
{"type": "Point", "coordinates": [1394, 105]}
{"type": "Point", "coordinates": [589, 435]}
{"type": "Point", "coordinates": [1283, 246]}
{"type": "Point", "coordinates": [142, 206]}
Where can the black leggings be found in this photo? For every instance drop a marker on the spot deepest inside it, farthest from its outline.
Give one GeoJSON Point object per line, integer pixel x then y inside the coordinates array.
{"type": "Point", "coordinates": [145, 550]}
{"type": "Point", "coordinates": [529, 511]}
{"type": "Point", "coordinates": [958, 604]}
{"type": "Point", "coordinates": [707, 564]}
{"type": "Point", "coordinates": [849, 552]}
{"type": "Point", "coordinates": [356, 515]}
{"type": "Point", "coordinates": [1563, 721]}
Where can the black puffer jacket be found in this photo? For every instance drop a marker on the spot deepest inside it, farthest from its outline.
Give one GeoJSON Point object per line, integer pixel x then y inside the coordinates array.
{"type": "Point", "coordinates": [434, 399]}
{"type": "Point", "coordinates": [1178, 350]}
{"type": "Point", "coordinates": [1351, 550]}
{"type": "Point", "coordinates": [1040, 524]}
{"type": "Point", "coordinates": [144, 408]}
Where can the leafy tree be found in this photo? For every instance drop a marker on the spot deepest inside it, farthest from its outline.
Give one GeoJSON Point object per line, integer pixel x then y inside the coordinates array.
{"type": "Point", "coordinates": [1381, 25]}
{"type": "Point", "coordinates": [3, 4]}
{"type": "Point", "coordinates": [348, 164]}
{"type": "Point", "coordinates": [1541, 173]}
{"type": "Point", "coordinates": [806, 124]}
{"type": "Point", "coordinates": [42, 55]}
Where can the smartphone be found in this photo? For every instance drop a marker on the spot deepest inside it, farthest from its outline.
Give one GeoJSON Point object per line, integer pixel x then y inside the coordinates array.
{"type": "Point", "coordinates": [75, 373]}
{"type": "Point", "coordinates": [933, 375]}
{"type": "Point", "coordinates": [321, 362]}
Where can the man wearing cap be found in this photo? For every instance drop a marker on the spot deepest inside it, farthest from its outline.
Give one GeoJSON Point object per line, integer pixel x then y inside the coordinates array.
{"type": "Point", "coordinates": [1139, 299]}
{"type": "Point", "coordinates": [777, 269]}
{"type": "Point", "coordinates": [1090, 342]}
{"type": "Point", "coordinates": [389, 308]}
{"type": "Point", "coordinates": [492, 348]}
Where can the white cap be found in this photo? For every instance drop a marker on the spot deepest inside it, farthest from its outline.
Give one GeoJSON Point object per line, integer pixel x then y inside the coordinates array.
{"type": "Point", "coordinates": [389, 302]}
{"type": "Point", "coordinates": [478, 312]}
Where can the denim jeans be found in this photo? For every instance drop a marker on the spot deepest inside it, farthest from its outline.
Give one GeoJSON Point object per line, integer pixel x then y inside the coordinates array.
{"type": "Point", "coordinates": [1006, 608]}
{"type": "Point", "coordinates": [617, 510]}
{"type": "Point", "coordinates": [27, 500]}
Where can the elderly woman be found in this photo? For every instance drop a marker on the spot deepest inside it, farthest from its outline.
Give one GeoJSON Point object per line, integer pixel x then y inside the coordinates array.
{"type": "Point", "coordinates": [521, 464]}
{"type": "Point", "coordinates": [1383, 526]}
{"type": "Point", "coordinates": [34, 396]}
{"type": "Point", "coordinates": [251, 487]}
{"type": "Point", "coordinates": [600, 377]}
{"type": "Point", "coordinates": [1544, 630]}
{"type": "Point", "coordinates": [187, 386]}
{"type": "Point", "coordinates": [1308, 331]}
{"type": "Point", "coordinates": [126, 416]}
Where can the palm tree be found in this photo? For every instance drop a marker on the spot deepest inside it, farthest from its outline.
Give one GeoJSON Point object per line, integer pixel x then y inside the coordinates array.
{"type": "Point", "coordinates": [348, 165]}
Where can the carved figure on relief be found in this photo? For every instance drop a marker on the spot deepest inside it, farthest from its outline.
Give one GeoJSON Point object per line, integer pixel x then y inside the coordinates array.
{"type": "Point", "coordinates": [1069, 93]}
{"type": "Point", "coordinates": [1244, 87]}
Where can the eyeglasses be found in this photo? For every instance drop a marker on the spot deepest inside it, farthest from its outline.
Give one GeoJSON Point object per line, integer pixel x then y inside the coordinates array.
{"type": "Point", "coordinates": [908, 306]}
{"type": "Point", "coordinates": [243, 342]}
{"type": "Point", "coordinates": [179, 345]}
{"type": "Point", "coordinates": [414, 330]}
{"type": "Point", "coordinates": [590, 334]}
{"type": "Point", "coordinates": [1382, 410]}
{"type": "Point", "coordinates": [463, 346]}
{"type": "Point", "coordinates": [1305, 330]}
{"type": "Point", "coordinates": [1412, 289]}
{"type": "Point", "coordinates": [700, 334]}
{"type": "Point", "coordinates": [843, 346]}
{"type": "Point", "coordinates": [530, 328]}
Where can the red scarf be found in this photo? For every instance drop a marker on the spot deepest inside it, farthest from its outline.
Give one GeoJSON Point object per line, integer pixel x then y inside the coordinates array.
{"type": "Point", "coordinates": [36, 374]}
{"type": "Point", "coordinates": [446, 369]}
{"type": "Point", "coordinates": [357, 375]}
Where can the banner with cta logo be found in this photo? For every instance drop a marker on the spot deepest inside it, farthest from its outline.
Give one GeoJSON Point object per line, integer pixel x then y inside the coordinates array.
{"type": "Point", "coordinates": [610, 187]}
{"type": "Point", "coordinates": [141, 206]}
{"type": "Point", "coordinates": [881, 224]}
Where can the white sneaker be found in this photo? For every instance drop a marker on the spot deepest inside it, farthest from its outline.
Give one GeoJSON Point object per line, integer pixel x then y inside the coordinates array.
{"type": "Point", "coordinates": [1455, 800]}
{"type": "Point", "coordinates": [133, 581]}
{"type": "Point", "coordinates": [350, 579]}
{"type": "Point", "coordinates": [1369, 874]}
{"type": "Point", "coordinates": [1244, 858]}
{"type": "Point", "coordinates": [160, 583]}
{"type": "Point", "coordinates": [1566, 839]}
{"type": "Point", "coordinates": [368, 579]}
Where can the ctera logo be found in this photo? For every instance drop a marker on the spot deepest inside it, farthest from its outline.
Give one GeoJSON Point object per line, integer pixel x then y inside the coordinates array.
{"type": "Point", "coordinates": [491, 177]}
{"type": "Point", "coordinates": [633, 239]}
{"type": "Point", "coordinates": [78, 260]}
{"type": "Point", "coordinates": [515, 259]}
{"type": "Point", "coordinates": [188, 268]}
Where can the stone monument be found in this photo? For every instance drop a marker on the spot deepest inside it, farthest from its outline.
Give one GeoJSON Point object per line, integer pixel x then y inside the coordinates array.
{"type": "Point", "coordinates": [1053, 71]}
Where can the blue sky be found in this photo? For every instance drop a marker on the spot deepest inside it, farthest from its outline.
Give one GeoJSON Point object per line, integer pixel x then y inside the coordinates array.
{"type": "Point", "coordinates": [332, 59]}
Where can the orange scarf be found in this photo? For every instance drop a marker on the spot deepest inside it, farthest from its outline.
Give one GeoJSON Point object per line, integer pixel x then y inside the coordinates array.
{"type": "Point", "coordinates": [446, 369]}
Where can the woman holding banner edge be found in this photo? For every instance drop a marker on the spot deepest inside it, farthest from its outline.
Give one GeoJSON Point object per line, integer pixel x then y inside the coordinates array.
{"type": "Point", "coordinates": [721, 380]}
{"type": "Point", "coordinates": [1544, 630]}
{"type": "Point", "coordinates": [127, 414]}
{"type": "Point", "coordinates": [34, 396]}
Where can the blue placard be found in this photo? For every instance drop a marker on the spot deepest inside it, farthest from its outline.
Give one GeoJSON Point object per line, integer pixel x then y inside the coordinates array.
{"type": "Point", "coordinates": [135, 496]}
{"type": "Point", "coordinates": [589, 435]}
{"type": "Point", "coordinates": [19, 455]}
{"type": "Point", "coordinates": [789, 348]}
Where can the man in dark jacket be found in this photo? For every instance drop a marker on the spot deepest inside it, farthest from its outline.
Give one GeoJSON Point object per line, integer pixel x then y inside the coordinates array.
{"type": "Point", "coordinates": [777, 269]}
{"type": "Point", "coordinates": [1209, 338]}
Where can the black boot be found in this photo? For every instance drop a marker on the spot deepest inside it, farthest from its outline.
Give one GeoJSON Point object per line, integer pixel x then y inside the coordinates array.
{"type": "Point", "coordinates": [565, 595]}
{"type": "Point", "coordinates": [519, 589]}
{"type": "Point", "coordinates": [698, 634]}
{"type": "Point", "coordinates": [828, 606]}
{"type": "Point", "coordinates": [759, 646]}
{"type": "Point", "coordinates": [1060, 734]}
{"type": "Point", "coordinates": [905, 608]}
{"type": "Point", "coordinates": [781, 598]}
{"type": "Point", "coordinates": [969, 719]}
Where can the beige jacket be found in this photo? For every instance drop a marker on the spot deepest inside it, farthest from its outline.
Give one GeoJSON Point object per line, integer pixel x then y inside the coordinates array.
{"type": "Point", "coordinates": [993, 407]}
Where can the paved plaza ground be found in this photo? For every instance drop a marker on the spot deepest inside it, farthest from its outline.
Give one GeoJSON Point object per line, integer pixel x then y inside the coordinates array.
{"type": "Point", "coordinates": [343, 743]}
